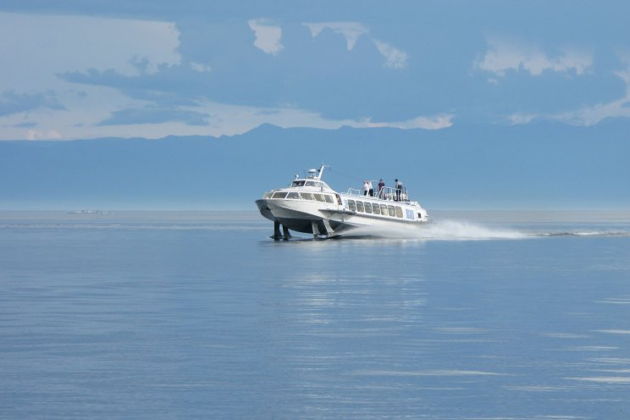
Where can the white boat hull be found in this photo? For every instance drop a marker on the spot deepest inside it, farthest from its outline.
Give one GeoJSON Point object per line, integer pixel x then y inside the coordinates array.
{"type": "Point", "coordinates": [300, 216]}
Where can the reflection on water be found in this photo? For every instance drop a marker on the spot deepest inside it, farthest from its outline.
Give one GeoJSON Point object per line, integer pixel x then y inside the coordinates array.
{"type": "Point", "coordinates": [192, 316]}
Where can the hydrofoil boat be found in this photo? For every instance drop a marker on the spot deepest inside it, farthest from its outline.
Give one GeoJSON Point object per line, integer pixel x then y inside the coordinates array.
{"type": "Point", "coordinates": [309, 205]}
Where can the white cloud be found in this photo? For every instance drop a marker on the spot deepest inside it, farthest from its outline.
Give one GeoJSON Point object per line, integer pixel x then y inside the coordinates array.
{"type": "Point", "coordinates": [504, 55]}
{"type": "Point", "coordinates": [351, 31]}
{"type": "Point", "coordinates": [267, 36]}
{"type": "Point", "coordinates": [588, 115]}
{"type": "Point", "coordinates": [84, 109]}
{"type": "Point", "coordinates": [521, 118]}
{"type": "Point", "coordinates": [225, 120]}
{"type": "Point", "coordinates": [435, 122]}
{"type": "Point", "coordinates": [201, 68]}
{"type": "Point", "coordinates": [591, 115]}
{"type": "Point", "coordinates": [394, 58]}
{"type": "Point", "coordinates": [36, 48]}
{"type": "Point", "coordinates": [43, 135]}
{"type": "Point", "coordinates": [234, 119]}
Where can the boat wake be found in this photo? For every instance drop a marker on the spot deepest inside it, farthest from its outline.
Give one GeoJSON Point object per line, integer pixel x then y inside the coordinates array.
{"type": "Point", "coordinates": [457, 230]}
{"type": "Point", "coordinates": [446, 230]}
{"type": "Point", "coordinates": [596, 233]}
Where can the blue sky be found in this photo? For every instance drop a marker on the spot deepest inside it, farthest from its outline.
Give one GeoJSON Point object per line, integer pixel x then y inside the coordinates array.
{"type": "Point", "coordinates": [77, 69]}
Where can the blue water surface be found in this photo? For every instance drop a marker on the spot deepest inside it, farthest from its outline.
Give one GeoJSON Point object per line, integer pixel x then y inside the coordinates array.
{"type": "Point", "coordinates": [201, 315]}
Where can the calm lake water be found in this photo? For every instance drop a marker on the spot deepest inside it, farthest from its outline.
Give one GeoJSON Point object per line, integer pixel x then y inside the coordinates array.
{"type": "Point", "coordinates": [201, 315]}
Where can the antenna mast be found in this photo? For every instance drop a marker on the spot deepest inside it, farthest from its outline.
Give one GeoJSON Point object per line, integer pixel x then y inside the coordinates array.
{"type": "Point", "coordinates": [321, 171]}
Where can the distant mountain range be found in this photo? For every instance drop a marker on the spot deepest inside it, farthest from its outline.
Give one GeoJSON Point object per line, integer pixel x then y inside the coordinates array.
{"type": "Point", "coordinates": [536, 166]}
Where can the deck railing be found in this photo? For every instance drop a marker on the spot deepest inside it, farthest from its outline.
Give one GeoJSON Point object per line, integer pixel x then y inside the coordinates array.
{"type": "Point", "coordinates": [385, 193]}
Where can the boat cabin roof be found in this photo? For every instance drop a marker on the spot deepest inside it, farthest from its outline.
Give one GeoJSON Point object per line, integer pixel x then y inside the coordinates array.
{"type": "Point", "coordinates": [310, 182]}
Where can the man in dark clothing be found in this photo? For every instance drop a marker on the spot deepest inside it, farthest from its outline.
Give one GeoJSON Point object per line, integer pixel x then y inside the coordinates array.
{"type": "Point", "coordinates": [399, 186]}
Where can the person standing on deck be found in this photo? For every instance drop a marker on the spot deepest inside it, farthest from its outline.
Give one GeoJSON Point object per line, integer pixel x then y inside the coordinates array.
{"type": "Point", "coordinates": [370, 189]}
{"type": "Point", "coordinates": [381, 188]}
{"type": "Point", "coordinates": [399, 186]}
{"type": "Point", "coordinates": [366, 187]}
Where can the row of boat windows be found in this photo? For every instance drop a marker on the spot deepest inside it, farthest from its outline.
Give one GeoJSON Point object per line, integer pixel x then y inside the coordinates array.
{"type": "Point", "coordinates": [356, 206]}
{"type": "Point", "coordinates": [304, 196]}
{"type": "Point", "coordinates": [375, 208]}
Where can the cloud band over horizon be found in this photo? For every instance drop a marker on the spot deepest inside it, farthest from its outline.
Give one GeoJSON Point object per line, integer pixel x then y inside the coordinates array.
{"type": "Point", "coordinates": [95, 76]}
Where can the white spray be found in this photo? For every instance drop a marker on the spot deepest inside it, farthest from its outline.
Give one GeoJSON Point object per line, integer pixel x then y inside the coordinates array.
{"type": "Point", "coordinates": [446, 230]}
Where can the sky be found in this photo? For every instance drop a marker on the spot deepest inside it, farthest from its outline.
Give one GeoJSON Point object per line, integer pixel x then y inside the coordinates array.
{"type": "Point", "coordinates": [73, 69]}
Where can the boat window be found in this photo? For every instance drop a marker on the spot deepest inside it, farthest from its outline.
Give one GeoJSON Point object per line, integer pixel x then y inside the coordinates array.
{"type": "Point", "coordinates": [391, 211]}
{"type": "Point", "coordinates": [328, 199]}
{"type": "Point", "coordinates": [298, 184]}
{"type": "Point", "coordinates": [360, 206]}
{"type": "Point", "coordinates": [409, 214]}
{"type": "Point", "coordinates": [384, 209]}
{"type": "Point", "coordinates": [310, 184]}
{"type": "Point", "coordinates": [398, 211]}
{"type": "Point", "coordinates": [368, 208]}
{"type": "Point", "coordinates": [319, 197]}
{"type": "Point", "coordinates": [338, 199]}
{"type": "Point", "coordinates": [307, 196]}
{"type": "Point", "coordinates": [376, 208]}
{"type": "Point", "coordinates": [293, 195]}
{"type": "Point", "coordinates": [351, 205]}
{"type": "Point", "coordinates": [279, 195]}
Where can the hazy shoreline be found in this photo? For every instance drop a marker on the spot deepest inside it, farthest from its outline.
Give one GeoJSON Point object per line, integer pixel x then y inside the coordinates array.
{"type": "Point", "coordinates": [486, 216]}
